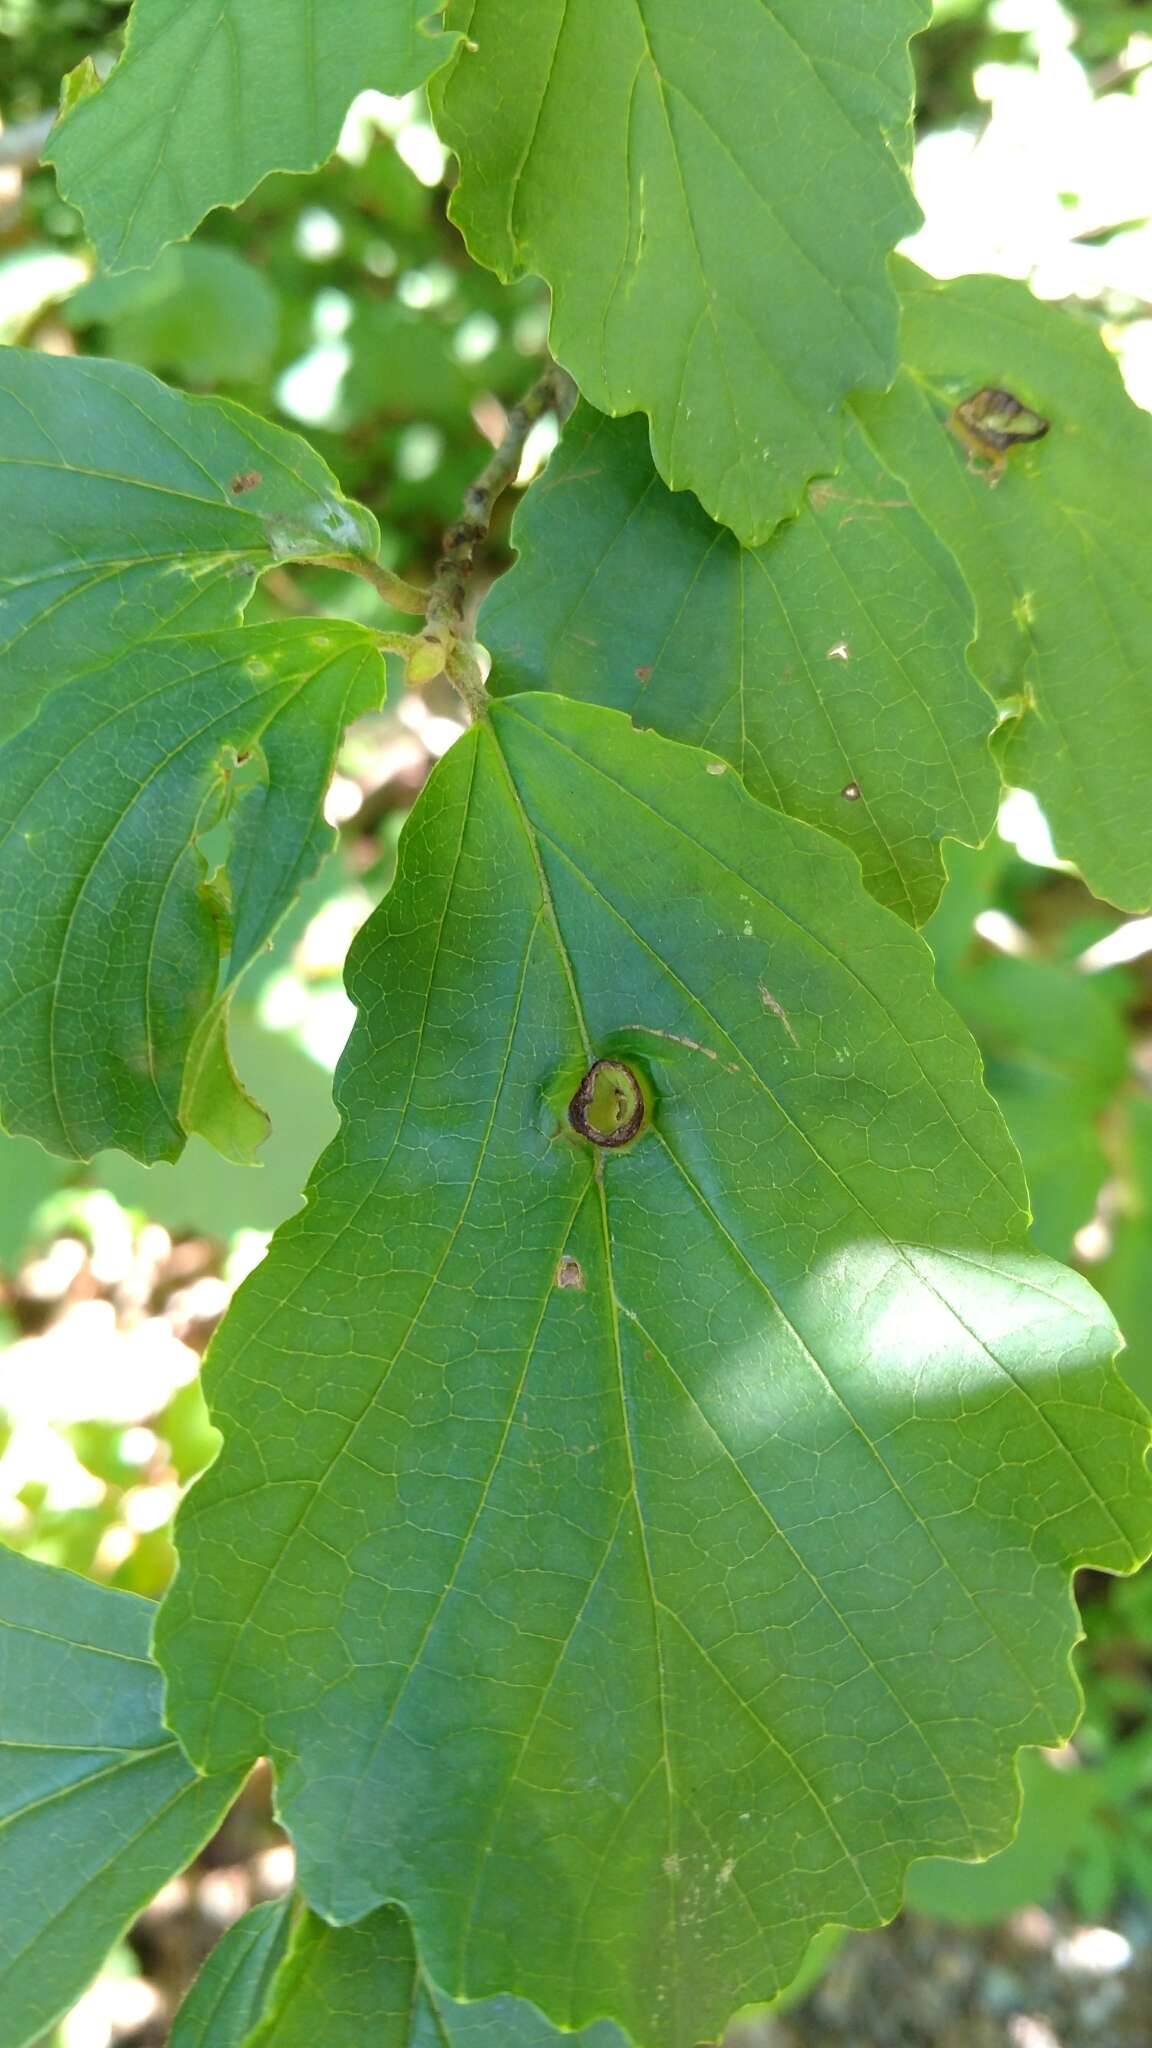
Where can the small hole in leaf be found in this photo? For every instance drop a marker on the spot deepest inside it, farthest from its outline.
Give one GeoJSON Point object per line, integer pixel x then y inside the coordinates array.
{"type": "Point", "coordinates": [851, 792]}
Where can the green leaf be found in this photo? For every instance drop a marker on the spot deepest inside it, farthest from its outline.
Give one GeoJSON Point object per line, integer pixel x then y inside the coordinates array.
{"type": "Point", "coordinates": [1055, 1819]}
{"type": "Point", "coordinates": [1055, 1055]}
{"type": "Point", "coordinates": [202, 314]}
{"type": "Point", "coordinates": [974, 877]}
{"type": "Point", "coordinates": [99, 1806]}
{"type": "Point", "coordinates": [141, 718]}
{"type": "Point", "coordinates": [346, 1986]}
{"type": "Point", "coordinates": [231, 1991]}
{"type": "Point", "coordinates": [211, 95]}
{"type": "Point", "coordinates": [713, 213]}
{"type": "Point", "coordinates": [1124, 1278]}
{"type": "Point", "coordinates": [650, 1547]}
{"type": "Point", "coordinates": [1054, 549]}
{"type": "Point", "coordinates": [827, 666]}
{"type": "Point", "coordinates": [213, 1099]}
{"type": "Point", "coordinates": [113, 945]}
{"type": "Point", "coordinates": [132, 511]}
{"type": "Point", "coordinates": [399, 353]}
{"type": "Point", "coordinates": [203, 1192]}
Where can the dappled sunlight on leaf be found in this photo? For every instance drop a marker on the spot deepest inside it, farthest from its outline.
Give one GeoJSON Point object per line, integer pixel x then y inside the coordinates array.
{"type": "Point", "coordinates": [755, 1542]}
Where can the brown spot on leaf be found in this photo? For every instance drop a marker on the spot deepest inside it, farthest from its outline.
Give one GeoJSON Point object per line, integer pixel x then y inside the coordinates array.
{"type": "Point", "coordinates": [992, 422]}
{"type": "Point", "coordinates": [676, 1038]}
{"type": "Point", "coordinates": [246, 481]}
{"type": "Point", "coordinates": [570, 1273]}
{"type": "Point", "coordinates": [608, 1107]}
{"type": "Point", "coordinates": [770, 1003]}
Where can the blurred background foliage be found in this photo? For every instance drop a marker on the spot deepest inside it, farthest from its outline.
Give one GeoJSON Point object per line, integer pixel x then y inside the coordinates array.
{"type": "Point", "coordinates": [344, 304]}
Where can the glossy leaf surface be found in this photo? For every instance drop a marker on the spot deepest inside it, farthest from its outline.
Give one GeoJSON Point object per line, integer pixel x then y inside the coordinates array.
{"type": "Point", "coordinates": [119, 944]}
{"type": "Point", "coordinates": [1054, 547]}
{"type": "Point", "coordinates": [828, 666]}
{"type": "Point", "coordinates": [137, 710]}
{"type": "Point", "coordinates": [99, 1806]}
{"type": "Point", "coordinates": [347, 1986]}
{"type": "Point", "coordinates": [712, 204]}
{"type": "Point", "coordinates": [211, 95]}
{"type": "Point", "coordinates": [133, 511]}
{"type": "Point", "coordinates": [536, 1552]}
{"type": "Point", "coordinates": [230, 1994]}
{"type": "Point", "coordinates": [1055, 1815]}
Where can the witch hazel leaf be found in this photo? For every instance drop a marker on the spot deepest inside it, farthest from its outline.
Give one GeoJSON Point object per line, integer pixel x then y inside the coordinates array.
{"type": "Point", "coordinates": [230, 1995]}
{"type": "Point", "coordinates": [651, 1530]}
{"type": "Point", "coordinates": [213, 1099]}
{"type": "Point", "coordinates": [133, 511]}
{"type": "Point", "coordinates": [99, 1806]}
{"type": "Point", "coordinates": [1045, 521]}
{"type": "Point", "coordinates": [138, 710]}
{"type": "Point", "coordinates": [713, 211]}
{"type": "Point", "coordinates": [349, 1985]}
{"type": "Point", "coordinates": [149, 152]}
{"type": "Point", "coordinates": [112, 949]}
{"type": "Point", "coordinates": [828, 666]}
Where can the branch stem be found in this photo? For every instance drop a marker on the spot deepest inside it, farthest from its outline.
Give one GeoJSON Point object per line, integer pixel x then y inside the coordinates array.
{"type": "Point", "coordinates": [402, 596]}
{"type": "Point", "coordinates": [445, 635]}
{"type": "Point", "coordinates": [445, 647]}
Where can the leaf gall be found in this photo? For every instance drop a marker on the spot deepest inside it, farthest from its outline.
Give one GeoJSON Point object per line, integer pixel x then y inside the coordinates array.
{"type": "Point", "coordinates": [608, 1107]}
{"type": "Point", "coordinates": [993, 421]}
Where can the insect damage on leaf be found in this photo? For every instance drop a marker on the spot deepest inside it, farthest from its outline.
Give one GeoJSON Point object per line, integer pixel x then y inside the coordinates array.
{"type": "Point", "coordinates": [991, 422]}
{"type": "Point", "coordinates": [609, 1107]}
